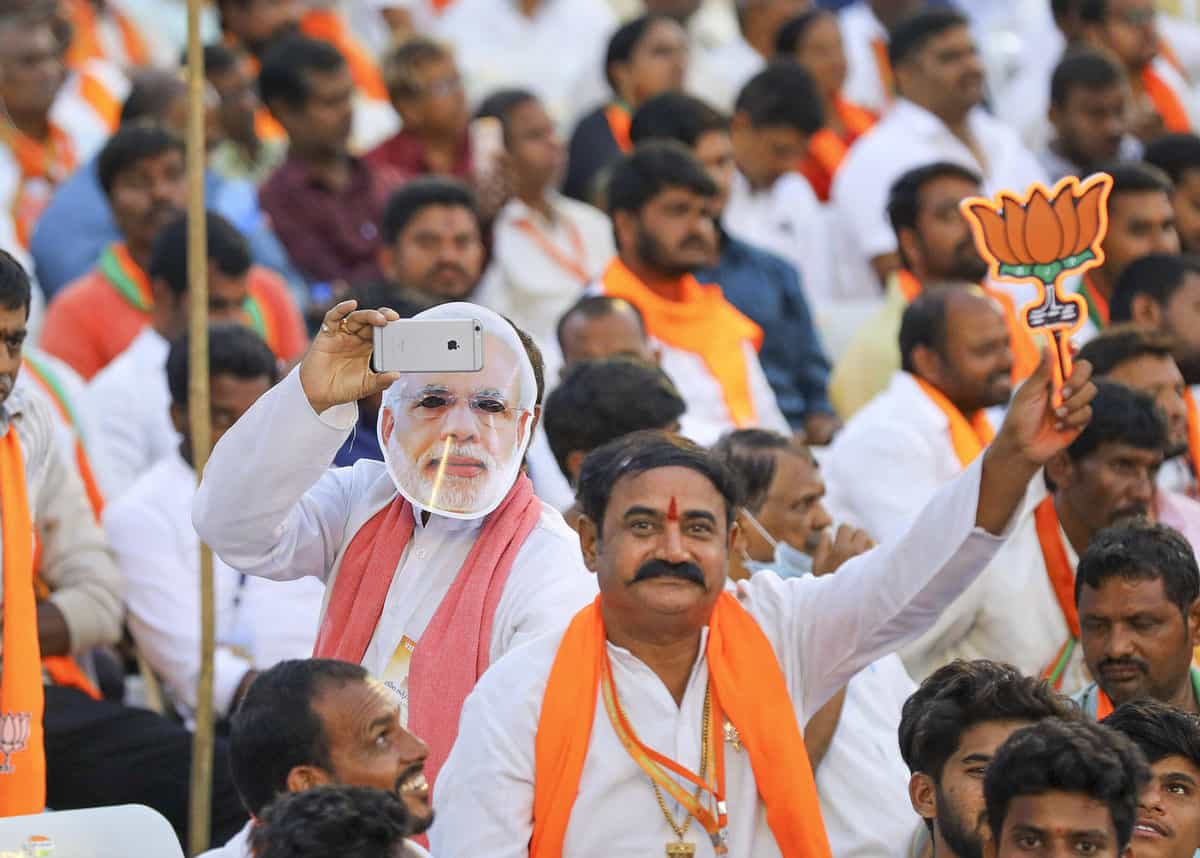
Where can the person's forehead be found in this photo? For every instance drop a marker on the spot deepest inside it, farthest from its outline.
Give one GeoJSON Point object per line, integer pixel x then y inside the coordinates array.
{"type": "Point", "coordinates": [1176, 764]}
{"type": "Point", "coordinates": [983, 738]}
{"type": "Point", "coordinates": [1061, 814]}
{"type": "Point", "coordinates": [1146, 370]}
{"type": "Point", "coordinates": [440, 217]}
{"type": "Point", "coordinates": [945, 189]}
{"type": "Point", "coordinates": [13, 321]}
{"type": "Point", "coordinates": [655, 488]}
{"type": "Point", "coordinates": [675, 195]}
{"type": "Point", "coordinates": [528, 114]}
{"type": "Point", "coordinates": [168, 158]}
{"type": "Point", "coordinates": [617, 325]}
{"type": "Point", "coordinates": [1132, 594]}
{"type": "Point", "coordinates": [1141, 205]}
{"type": "Point", "coordinates": [1084, 95]}
{"type": "Point", "coordinates": [795, 474]}
{"type": "Point", "coordinates": [661, 30]}
{"type": "Point", "coordinates": [969, 315]}
{"type": "Point", "coordinates": [348, 707]}
{"type": "Point", "coordinates": [1110, 451]}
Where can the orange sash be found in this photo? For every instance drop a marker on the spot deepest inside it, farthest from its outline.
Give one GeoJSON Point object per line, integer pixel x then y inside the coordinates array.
{"type": "Point", "coordinates": [96, 94]}
{"type": "Point", "coordinates": [22, 698]}
{"type": "Point", "coordinates": [883, 65]}
{"type": "Point", "coordinates": [85, 37]}
{"type": "Point", "coordinates": [827, 148]}
{"type": "Point", "coordinates": [968, 437]}
{"type": "Point", "coordinates": [1193, 424]}
{"type": "Point", "coordinates": [701, 322]}
{"type": "Point", "coordinates": [1166, 102]}
{"type": "Point", "coordinates": [1062, 581]}
{"type": "Point", "coordinates": [748, 682]}
{"type": "Point", "coordinates": [327, 25]}
{"type": "Point", "coordinates": [619, 121]}
{"type": "Point", "coordinates": [43, 164]}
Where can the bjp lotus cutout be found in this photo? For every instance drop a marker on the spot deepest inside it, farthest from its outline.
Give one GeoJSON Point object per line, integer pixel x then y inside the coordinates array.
{"type": "Point", "coordinates": [1045, 237]}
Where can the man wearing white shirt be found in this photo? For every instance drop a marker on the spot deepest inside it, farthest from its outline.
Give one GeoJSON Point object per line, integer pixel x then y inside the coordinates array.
{"type": "Point", "coordinates": [1021, 610]}
{"type": "Point", "coordinates": [150, 529]}
{"type": "Point", "coordinates": [689, 672]}
{"type": "Point", "coordinates": [770, 204]}
{"type": "Point", "coordinates": [931, 421]}
{"type": "Point", "coordinates": [129, 397]}
{"type": "Point", "coordinates": [546, 247]}
{"type": "Point", "coordinates": [865, 25]}
{"type": "Point", "coordinates": [937, 117]}
{"type": "Point", "coordinates": [436, 561]}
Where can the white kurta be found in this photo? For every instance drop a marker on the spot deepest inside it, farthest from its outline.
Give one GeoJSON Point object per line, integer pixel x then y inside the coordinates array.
{"type": "Point", "coordinates": [270, 506]}
{"type": "Point", "coordinates": [718, 75]}
{"type": "Point", "coordinates": [860, 29]}
{"type": "Point", "coordinates": [822, 630]}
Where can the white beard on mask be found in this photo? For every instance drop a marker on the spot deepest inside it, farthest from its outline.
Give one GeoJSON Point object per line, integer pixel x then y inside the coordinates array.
{"type": "Point", "coordinates": [450, 493]}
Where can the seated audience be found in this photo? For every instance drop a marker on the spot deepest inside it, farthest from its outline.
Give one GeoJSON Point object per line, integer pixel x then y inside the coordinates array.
{"type": "Point", "coordinates": [246, 152]}
{"type": "Point", "coordinates": [1178, 155]}
{"type": "Point", "coordinates": [349, 822]}
{"type": "Point", "coordinates": [100, 31]}
{"type": "Point", "coordinates": [1089, 112]}
{"type": "Point", "coordinates": [718, 75]}
{"type": "Point", "coordinates": [599, 327]}
{"type": "Point", "coordinates": [867, 27]}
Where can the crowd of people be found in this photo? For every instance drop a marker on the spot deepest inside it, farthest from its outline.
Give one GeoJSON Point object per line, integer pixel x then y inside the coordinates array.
{"type": "Point", "coordinates": [763, 527]}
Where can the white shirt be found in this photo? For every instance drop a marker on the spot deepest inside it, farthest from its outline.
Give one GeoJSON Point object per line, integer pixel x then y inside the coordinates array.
{"type": "Point", "coordinates": [718, 75]}
{"type": "Point", "coordinates": [131, 404]}
{"type": "Point", "coordinates": [529, 285]}
{"type": "Point", "coordinates": [259, 622]}
{"type": "Point", "coordinates": [890, 459]}
{"type": "Point", "coordinates": [239, 847]}
{"type": "Point", "coordinates": [909, 136]}
{"type": "Point", "coordinates": [788, 220]}
{"type": "Point", "coordinates": [496, 46]}
{"type": "Point", "coordinates": [822, 630]}
{"type": "Point", "coordinates": [1009, 614]}
{"type": "Point", "coordinates": [860, 30]}
{"type": "Point", "coordinates": [83, 121]}
{"type": "Point", "coordinates": [290, 515]}
{"type": "Point", "coordinates": [863, 775]}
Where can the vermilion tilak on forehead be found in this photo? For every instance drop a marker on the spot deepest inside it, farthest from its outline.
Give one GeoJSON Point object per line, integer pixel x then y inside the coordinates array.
{"type": "Point", "coordinates": [673, 510]}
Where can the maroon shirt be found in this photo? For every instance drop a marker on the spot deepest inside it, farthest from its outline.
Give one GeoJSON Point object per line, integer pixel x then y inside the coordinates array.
{"type": "Point", "coordinates": [405, 153]}
{"type": "Point", "coordinates": [328, 234]}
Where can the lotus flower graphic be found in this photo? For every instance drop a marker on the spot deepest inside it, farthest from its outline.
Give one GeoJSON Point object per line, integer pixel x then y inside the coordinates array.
{"type": "Point", "coordinates": [14, 734]}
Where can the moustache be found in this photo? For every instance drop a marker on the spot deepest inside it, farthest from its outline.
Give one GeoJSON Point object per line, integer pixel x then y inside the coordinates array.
{"type": "Point", "coordinates": [414, 769]}
{"type": "Point", "coordinates": [694, 241]}
{"type": "Point", "coordinates": [662, 569]}
{"type": "Point", "coordinates": [1135, 663]}
{"type": "Point", "coordinates": [433, 457]}
{"type": "Point", "coordinates": [448, 268]}
{"type": "Point", "coordinates": [1132, 511]}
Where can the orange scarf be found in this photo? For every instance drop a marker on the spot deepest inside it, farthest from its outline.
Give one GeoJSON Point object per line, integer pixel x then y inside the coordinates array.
{"type": "Point", "coordinates": [701, 322]}
{"type": "Point", "coordinates": [968, 437]}
{"type": "Point", "coordinates": [619, 121]}
{"type": "Point", "coordinates": [827, 148]}
{"type": "Point", "coordinates": [22, 698]}
{"type": "Point", "coordinates": [1193, 424]}
{"type": "Point", "coordinates": [879, 47]}
{"type": "Point", "coordinates": [43, 164]}
{"type": "Point", "coordinates": [85, 37]}
{"type": "Point", "coordinates": [327, 25]}
{"type": "Point", "coordinates": [1062, 581]}
{"type": "Point", "coordinates": [746, 680]}
{"type": "Point", "coordinates": [1166, 102]}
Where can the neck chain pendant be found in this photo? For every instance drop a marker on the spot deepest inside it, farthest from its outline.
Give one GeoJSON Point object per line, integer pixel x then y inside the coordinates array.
{"type": "Point", "coordinates": [681, 850]}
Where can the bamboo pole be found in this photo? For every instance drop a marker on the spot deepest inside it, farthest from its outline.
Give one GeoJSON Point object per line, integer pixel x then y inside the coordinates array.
{"type": "Point", "coordinates": [201, 426]}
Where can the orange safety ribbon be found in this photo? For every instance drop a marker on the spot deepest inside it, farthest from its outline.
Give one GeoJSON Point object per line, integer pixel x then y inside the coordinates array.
{"type": "Point", "coordinates": [1062, 581]}
{"type": "Point", "coordinates": [43, 164]}
{"type": "Point", "coordinates": [1193, 424]}
{"type": "Point", "coordinates": [1166, 102]}
{"type": "Point", "coordinates": [883, 65]}
{"type": "Point", "coordinates": [22, 698]}
{"type": "Point", "coordinates": [619, 122]}
{"type": "Point", "coordinates": [699, 321]}
{"type": "Point", "coordinates": [968, 437]}
{"type": "Point", "coordinates": [576, 263]}
{"type": "Point", "coordinates": [327, 25]}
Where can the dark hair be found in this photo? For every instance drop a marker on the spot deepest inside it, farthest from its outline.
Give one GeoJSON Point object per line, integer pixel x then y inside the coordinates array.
{"type": "Point", "coordinates": [904, 198]}
{"type": "Point", "coordinates": [228, 251]}
{"type": "Point", "coordinates": [400, 64]}
{"type": "Point", "coordinates": [912, 34]}
{"type": "Point", "coordinates": [218, 59]}
{"type": "Point", "coordinates": [130, 144]}
{"type": "Point", "coordinates": [675, 116]}
{"type": "Point", "coordinates": [791, 34]}
{"type": "Point", "coordinates": [346, 821]}
{"type": "Point", "coordinates": [501, 104]}
{"type": "Point", "coordinates": [1141, 550]}
{"type": "Point", "coordinates": [749, 454]}
{"type": "Point", "coordinates": [1120, 415]}
{"type": "Point", "coordinates": [415, 196]}
{"type": "Point", "coordinates": [284, 73]}
{"type": "Point", "coordinates": [595, 307]}
{"type": "Point", "coordinates": [1083, 69]}
{"type": "Point", "coordinates": [1067, 756]}
{"type": "Point", "coordinates": [1093, 11]}
{"type": "Point", "coordinates": [1122, 343]}
{"type": "Point", "coordinates": [625, 40]}
{"type": "Point", "coordinates": [652, 168]}
{"type": "Point", "coordinates": [233, 349]}
{"type": "Point", "coordinates": [1158, 275]}
{"type": "Point", "coordinates": [643, 451]}
{"type": "Point", "coordinates": [15, 288]}
{"type": "Point", "coordinates": [151, 92]}
{"type": "Point", "coordinates": [1158, 730]}
{"type": "Point", "coordinates": [1136, 177]}
{"type": "Point", "coordinates": [1174, 154]}
{"type": "Point", "coordinates": [601, 400]}
{"type": "Point", "coordinates": [923, 324]}
{"type": "Point", "coordinates": [959, 695]}
{"type": "Point", "coordinates": [535, 359]}
{"type": "Point", "coordinates": [783, 95]}
{"type": "Point", "coordinates": [275, 728]}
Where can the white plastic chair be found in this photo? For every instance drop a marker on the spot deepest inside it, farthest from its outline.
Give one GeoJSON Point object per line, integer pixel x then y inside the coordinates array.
{"type": "Point", "coordinates": [99, 832]}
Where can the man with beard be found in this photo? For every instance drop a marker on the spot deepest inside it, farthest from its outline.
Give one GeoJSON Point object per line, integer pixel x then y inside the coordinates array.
{"type": "Point", "coordinates": [437, 560]}
{"type": "Point", "coordinates": [950, 729]}
{"type": "Point", "coordinates": [661, 203]}
{"type": "Point", "coordinates": [936, 249]}
{"type": "Point", "coordinates": [1139, 619]}
{"type": "Point", "coordinates": [931, 422]}
{"type": "Point", "coordinates": [307, 723]}
{"type": "Point", "coordinates": [1162, 292]}
{"type": "Point", "coordinates": [1022, 609]}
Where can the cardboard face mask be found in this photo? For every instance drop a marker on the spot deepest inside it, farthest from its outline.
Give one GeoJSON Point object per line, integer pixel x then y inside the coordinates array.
{"type": "Point", "coordinates": [453, 442]}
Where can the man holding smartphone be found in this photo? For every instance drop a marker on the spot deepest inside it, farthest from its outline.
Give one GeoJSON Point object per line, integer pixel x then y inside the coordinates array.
{"type": "Point", "coordinates": [438, 560]}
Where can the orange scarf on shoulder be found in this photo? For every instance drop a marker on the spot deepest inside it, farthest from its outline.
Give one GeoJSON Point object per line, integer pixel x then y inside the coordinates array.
{"type": "Point", "coordinates": [968, 437]}
{"type": "Point", "coordinates": [701, 322]}
{"type": "Point", "coordinates": [1166, 102]}
{"type": "Point", "coordinates": [1193, 424]}
{"type": "Point", "coordinates": [827, 148]}
{"type": "Point", "coordinates": [327, 25]}
{"type": "Point", "coordinates": [748, 682]}
{"type": "Point", "coordinates": [22, 699]}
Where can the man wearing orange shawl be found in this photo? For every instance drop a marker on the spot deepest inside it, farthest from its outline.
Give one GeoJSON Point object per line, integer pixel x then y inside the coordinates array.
{"type": "Point", "coordinates": [670, 693]}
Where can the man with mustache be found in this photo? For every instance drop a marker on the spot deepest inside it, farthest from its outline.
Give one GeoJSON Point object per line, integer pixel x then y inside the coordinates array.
{"type": "Point", "coordinates": [1168, 823]}
{"type": "Point", "coordinates": [936, 250]}
{"type": "Point", "coordinates": [575, 745]}
{"type": "Point", "coordinates": [1022, 609]}
{"type": "Point", "coordinates": [312, 722]}
{"type": "Point", "coordinates": [931, 422]}
{"type": "Point", "coordinates": [950, 729]}
{"type": "Point", "coordinates": [661, 200]}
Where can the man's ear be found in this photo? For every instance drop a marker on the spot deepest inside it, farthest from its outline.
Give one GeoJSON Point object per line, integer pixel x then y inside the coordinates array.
{"type": "Point", "coordinates": [922, 792]}
{"type": "Point", "coordinates": [387, 261]}
{"type": "Point", "coordinates": [179, 419]}
{"type": "Point", "coordinates": [1193, 624]}
{"type": "Point", "coordinates": [1145, 311]}
{"type": "Point", "coordinates": [388, 423]}
{"type": "Point", "coordinates": [625, 228]}
{"type": "Point", "coordinates": [302, 778]}
{"type": "Point", "coordinates": [589, 541]}
{"type": "Point", "coordinates": [575, 464]}
{"type": "Point", "coordinates": [928, 364]}
{"type": "Point", "coordinates": [990, 849]}
{"type": "Point", "coordinates": [1060, 470]}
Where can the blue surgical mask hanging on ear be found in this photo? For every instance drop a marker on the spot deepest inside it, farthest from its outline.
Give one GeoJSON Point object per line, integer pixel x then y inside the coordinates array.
{"type": "Point", "coordinates": [788, 562]}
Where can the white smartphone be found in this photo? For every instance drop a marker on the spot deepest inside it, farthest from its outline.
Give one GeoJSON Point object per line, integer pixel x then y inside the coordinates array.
{"type": "Point", "coordinates": [487, 145]}
{"type": "Point", "coordinates": [429, 345]}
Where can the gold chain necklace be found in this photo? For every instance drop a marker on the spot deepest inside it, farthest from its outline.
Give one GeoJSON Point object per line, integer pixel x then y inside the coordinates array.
{"type": "Point", "coordinates": [681, 848]}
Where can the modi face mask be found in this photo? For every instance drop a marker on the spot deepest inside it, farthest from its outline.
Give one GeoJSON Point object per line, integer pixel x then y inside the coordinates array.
{"type": "Point", "coordinates": [453, 442]}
